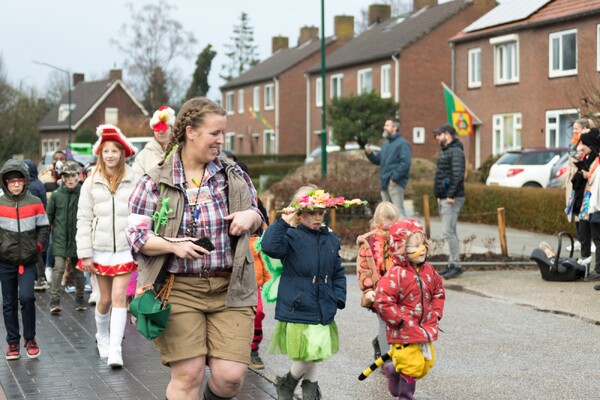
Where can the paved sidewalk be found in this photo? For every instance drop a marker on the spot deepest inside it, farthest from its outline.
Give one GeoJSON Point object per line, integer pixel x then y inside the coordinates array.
{"type": "Point", "coordinates": [69, 366]}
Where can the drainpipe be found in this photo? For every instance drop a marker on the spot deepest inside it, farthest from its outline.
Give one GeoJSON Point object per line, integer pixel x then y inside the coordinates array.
{"type": "Point", "coordinates": [307, 77]}
{"type": "Point", "coordinates": [396, 78]}
{"type": "Point", "coordinates": [452, 66]}
{"type": "Point", "coordinates": [276, 81]}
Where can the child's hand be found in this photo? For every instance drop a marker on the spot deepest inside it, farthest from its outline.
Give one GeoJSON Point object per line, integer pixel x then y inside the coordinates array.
{"type": "Point", "coordinates": [288, 217]}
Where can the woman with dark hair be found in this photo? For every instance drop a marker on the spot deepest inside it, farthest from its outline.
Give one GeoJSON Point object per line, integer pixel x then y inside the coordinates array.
{"type": "Point", "coordinates": [195, 194]}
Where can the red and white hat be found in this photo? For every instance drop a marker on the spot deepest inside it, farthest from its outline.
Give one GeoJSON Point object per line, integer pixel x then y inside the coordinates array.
{"type": "Point", "coordinates": [108, 133]}
{"type": "Point", "coordinates": [162, 119]}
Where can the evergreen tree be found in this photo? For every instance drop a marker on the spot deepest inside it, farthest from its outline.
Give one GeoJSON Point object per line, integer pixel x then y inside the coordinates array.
{"type": "Point", "coordinates": [242, 52]}
{"type": "Point", "coordinates": [200, 86]}
{"type": "Point", "coordinates": [360, 118]}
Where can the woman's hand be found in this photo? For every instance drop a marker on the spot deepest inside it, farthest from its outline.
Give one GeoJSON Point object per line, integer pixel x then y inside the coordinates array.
{"type": "Point", "coordinates": [87, 265]}
{"type": "Point", "coordinates": [243, 222]}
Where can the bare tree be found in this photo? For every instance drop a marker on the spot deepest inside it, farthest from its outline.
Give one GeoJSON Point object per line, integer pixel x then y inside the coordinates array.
{"type": "Point", "coordinates": [151, 41]}
{"type": "Point", "coordinates": [56, 87]}
{"type": "Point", "coordinates": [399, 7]}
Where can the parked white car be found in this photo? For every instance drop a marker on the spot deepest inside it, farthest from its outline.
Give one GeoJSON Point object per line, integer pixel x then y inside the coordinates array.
{"type": "Point", "coordinates": [333, 148]}
{"type": "Point", "coordinates": [525, 168]}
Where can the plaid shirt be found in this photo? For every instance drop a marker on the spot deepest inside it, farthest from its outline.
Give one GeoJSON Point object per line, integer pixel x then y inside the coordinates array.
{"type": "Point", "coordinates": [144, 202]}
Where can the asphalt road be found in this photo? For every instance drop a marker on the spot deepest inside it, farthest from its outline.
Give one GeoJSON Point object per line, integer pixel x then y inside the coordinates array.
{"type": "Point", "coordinates": [503, 339]}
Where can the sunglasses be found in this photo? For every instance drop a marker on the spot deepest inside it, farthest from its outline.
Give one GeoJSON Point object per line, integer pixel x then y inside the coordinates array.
{"type": "Point", "coordinates": [14, 181]}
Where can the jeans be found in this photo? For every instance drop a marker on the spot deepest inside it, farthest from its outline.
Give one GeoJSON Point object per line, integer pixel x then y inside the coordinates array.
{"type": "Point", "coordinates": [395, 194]}
{"type": "Point", "coordinates": [18, 288]}
{"type": "Point", "coordinates": [449, 214]}
{"type": "Point", "coordinates": [57, 276]}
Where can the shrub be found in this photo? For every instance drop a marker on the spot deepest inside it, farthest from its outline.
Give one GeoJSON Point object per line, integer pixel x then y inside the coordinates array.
{"type": "Point", "coordinates": [537, 210]}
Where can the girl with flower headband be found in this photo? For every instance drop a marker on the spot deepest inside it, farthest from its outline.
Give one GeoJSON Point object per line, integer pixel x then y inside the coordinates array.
{"type": "Point", "coordinates": [312, 287]}
{"type": "Point", "coordinates": [373, 261]}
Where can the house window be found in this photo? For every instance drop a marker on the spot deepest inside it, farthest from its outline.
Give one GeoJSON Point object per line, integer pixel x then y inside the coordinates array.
{"type": "Point", "coordinates": [507, 132]}
{"type": "Point", "coordinates": [256, 99]}
{"type": "Point", "coordinates": [386, 81]}
{"type": "Point", "coordinates": [475, 68]}
{"type": "Point", "coordinates": [44, 147]}
{"type": "Point", "coordinates": [563, 53]}
{"type": "Point", "coordinates": [269, 104]}
{"type": "Point", "coordinates": [318, 92]}
{"type": "Point", "coordinates": [506, 59]}
{"type": "Point", "coordinates": [418, 135]}
{"type": "Point", "coordinates": [229, 103]}
{"type": "Point", "coordinates": [337, 82]}
{"type": "Point", "coordinates": [365, 83]}
{"type": "Point", "coordinates": [269, 142]}
{"type": "Point", "coordinates": [63, 111]}
{"type": "Point", "coordinates": [111, 116]}
{"type": "Point", "coordinates": [230, 141]}
{"type": "Point", "coordinates": [559, 127]}
{"type": "Point", "coordinates": [241, 101]}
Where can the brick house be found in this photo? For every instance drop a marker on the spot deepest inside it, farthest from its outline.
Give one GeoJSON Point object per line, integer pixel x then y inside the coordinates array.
{"type": "Point", "coordinates": [526, 69]}
{"type": "Point", "coordinates": [404, 58]}
{"type": "Point", "coordinates": [107, 101]}
{"type": "Point", "coordinates": [266, 105]}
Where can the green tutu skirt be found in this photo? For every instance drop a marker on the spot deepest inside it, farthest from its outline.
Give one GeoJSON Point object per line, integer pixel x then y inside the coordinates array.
{"type": "Point", "coordinates": [305, 342]}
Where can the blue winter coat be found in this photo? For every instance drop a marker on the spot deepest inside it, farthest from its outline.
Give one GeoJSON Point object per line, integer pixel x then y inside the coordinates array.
{"type": "Point", "coordinates": [36, 187]}
{"type": "Point", "coordinates": [313, 284]}
{"type": "Point", "coordinates": [394, 159]}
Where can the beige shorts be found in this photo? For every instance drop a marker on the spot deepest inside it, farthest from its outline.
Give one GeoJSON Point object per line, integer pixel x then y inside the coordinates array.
{"type": "Point", "coordinates": [201, 325]}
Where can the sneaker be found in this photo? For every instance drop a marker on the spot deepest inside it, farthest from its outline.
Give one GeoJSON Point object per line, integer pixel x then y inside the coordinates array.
{"type": "Point", "coordinates": [87, 288]}
{"type": "Point", "coordinates": [13, 352]}
{"type": "Point", "coordinates": [33, 351]}
{"type": "Point", "coordinates": [55, 307]}
{"type": "Point", "coordinates": [94, 297]}
{"type": "Point", "coordinates": [584, 261]}
{"type": "Point", "coordinates": [594, 276]}
{"type": "Point", "coordinates": [70, 289]}
{"type": "Point", "coordinates": [81, 306]}
{"type": "Point", "coordinates": [255, 361]}
{"type": "Point", "coordinates": [453, 273]}
{"type": "Point", "coordinates": [40, 285]}
{"type": "Point", "coordinates": [576, 246]}
{"type": "Point", "coordinates": [596, 287]}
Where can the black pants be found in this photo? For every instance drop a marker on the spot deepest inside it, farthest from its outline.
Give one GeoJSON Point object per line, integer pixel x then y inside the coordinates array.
{"type": "Point", "coordinates": [584, 235]}
{"type": "Point", "coordinates": [595, 229]}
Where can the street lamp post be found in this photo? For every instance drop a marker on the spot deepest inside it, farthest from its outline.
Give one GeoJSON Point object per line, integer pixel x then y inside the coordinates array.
{"type": "Point", "coordinates": [69, 128]}
{"type": "Point", "coordinates": [323, 109]}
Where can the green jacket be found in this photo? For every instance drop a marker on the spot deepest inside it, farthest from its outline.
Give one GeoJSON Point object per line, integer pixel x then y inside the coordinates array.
{"type": "Point", "coordinates": [62, 213]}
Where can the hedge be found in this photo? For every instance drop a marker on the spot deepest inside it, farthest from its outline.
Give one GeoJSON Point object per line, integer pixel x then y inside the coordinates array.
{"type": "Point", "coordinates": [532, 209]}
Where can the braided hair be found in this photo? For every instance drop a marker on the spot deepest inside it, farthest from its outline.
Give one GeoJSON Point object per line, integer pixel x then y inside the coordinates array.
{"type": "Point", "coordinates": [192, 113]}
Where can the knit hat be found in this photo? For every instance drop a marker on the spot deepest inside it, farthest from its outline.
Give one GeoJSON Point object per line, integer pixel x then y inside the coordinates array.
{"type": "Point", "coordinates": [162, 119]}
{"type": "Point", "coordinates": [108, 133]}
{"type": "Point", "coordinates": [12, 175]}
{"type": "Point", "coordinates": [592, 139]}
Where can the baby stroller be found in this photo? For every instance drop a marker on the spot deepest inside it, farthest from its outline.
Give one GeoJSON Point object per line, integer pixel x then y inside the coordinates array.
{"type": "Point", "coordinates": [553, 267]}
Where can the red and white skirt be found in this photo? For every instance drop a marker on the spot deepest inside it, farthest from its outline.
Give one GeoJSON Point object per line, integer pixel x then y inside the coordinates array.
{"type": "Point", "coordinates": [112, 264]}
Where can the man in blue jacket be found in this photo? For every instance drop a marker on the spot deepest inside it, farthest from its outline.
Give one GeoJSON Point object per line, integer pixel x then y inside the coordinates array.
{"type": "Point", "coordinates": [394, 159]}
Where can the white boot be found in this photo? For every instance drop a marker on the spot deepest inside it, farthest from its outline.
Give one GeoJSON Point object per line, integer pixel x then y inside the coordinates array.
{"type": "Point", "coordinates": [102, 336]}
{"type": "Point", "coordinates": [118, 319]}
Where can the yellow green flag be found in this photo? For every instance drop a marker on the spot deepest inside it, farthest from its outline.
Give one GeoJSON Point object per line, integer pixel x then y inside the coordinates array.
{"type": "Point", "coordinates": [263, 120]}
{"type": "Point", "coordinates": [457, 113]}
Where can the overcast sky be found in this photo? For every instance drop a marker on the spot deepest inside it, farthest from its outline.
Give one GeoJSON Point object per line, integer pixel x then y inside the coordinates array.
{"type": "Point", "coordinates": [74, 34]}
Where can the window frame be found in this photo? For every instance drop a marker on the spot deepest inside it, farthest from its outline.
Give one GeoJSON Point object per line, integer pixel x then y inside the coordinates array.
{"type": "Point", "coordinates": [498, 126]}
{"type": "Point", "coordinates": [318, 92]}
{"type": "Point", "coordinates": [360, 78]}
{"type": "Point", "coordinates": [554, 73]}
{"type": "Point", "coordinates": [269, 100]}
{"type": "Point", "coordinates": [269, 137]}
{"type": "Point", "coordinates": [229, 96]}
{"type": "Point", "coordinates": [240, 101]}
{"type": "Point", "coordinates": [553, 128]}
{"type": "Point", "coordinates": [229, 141]}
{"type": "Point", "coordinates": [256, 98]}
{"type": "Point", "coordinates": [501, 63]}
{"type": "Point", "coordinates": [333, 87]}
{"type": "Point", "coordinates": [474, 68]}
{"type": "Point", "coordinates": [386, 77]}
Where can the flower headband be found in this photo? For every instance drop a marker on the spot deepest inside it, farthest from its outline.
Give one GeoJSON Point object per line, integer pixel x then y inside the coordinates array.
{"type": "Point", "coordinates": [318, 200]}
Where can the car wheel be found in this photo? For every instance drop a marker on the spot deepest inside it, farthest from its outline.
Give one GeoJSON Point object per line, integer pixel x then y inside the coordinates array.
{"type": "Point", "coordinates": [532, 185]}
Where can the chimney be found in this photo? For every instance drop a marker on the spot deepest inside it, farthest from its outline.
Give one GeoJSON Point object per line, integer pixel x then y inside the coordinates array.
{"type": "Point", "coordinates": [344, 27]}
{"type": "Point", "coordinates": [78, 78]}
{"type": "Point", "coordinates": [379, 13]}
{"type": "Point", "coordinates": [115, 74]}
{"type": "Point", "coordinates": [279, 43]}
{"type": "Point", "coordinates": [307, 33]}
{"type": "Point", "coordinates": [418, 4]}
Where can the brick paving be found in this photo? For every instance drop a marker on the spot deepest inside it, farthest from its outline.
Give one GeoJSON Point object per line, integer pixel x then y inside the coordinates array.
{"type": "Point", "coordinates": [69, 366]}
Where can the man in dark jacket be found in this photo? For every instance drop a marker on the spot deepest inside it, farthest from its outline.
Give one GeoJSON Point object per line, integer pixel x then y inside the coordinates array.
{"type": "Point", "coordinates": [394, 159]}
{"type": "Point", "coordinates": [449, 189]}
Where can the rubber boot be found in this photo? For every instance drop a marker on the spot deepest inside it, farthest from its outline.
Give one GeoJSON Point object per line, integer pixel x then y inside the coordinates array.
{"type": "Point", "coordinates": [393, 378]}
{"type": "Point", "coordinates": [406, 390]}
{"type": "Point", "coordinates": [102, 336]}
{"type": "Point", "coordinates": [310, 390]}
{"type": "Point", "coordinates": [118, 319]}
{"type": "Point", "coordinates": [285, 386]}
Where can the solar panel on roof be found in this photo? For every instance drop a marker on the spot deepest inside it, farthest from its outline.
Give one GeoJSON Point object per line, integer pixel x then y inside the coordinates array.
{"type": "Point", "coordinates": [508, 11]}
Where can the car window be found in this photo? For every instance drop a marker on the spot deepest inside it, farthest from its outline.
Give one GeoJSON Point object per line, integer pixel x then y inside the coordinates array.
{"type": "Point", "coordinates": [508, 158]}
{"type": "Point", "coordinates": [537, 158]}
